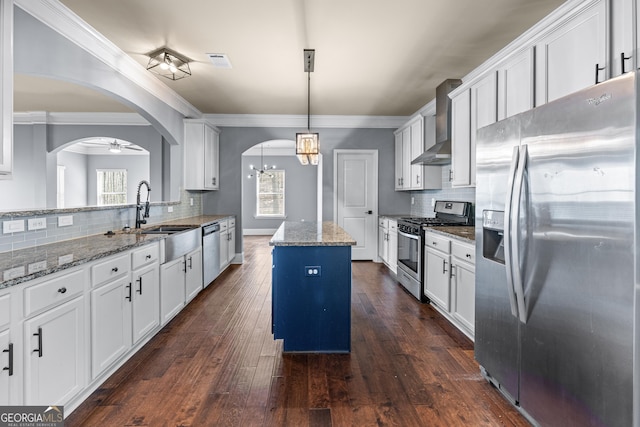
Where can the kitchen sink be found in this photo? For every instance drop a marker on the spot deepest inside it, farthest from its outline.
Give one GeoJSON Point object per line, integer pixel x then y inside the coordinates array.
{"type": "Point", "coordinates": [167, 229]}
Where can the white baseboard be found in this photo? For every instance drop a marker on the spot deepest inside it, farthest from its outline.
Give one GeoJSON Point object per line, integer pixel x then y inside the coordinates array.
{"type": "Point", "coordinates": [258, 231]}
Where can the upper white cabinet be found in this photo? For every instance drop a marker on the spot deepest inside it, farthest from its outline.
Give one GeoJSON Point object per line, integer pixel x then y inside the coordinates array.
{"type": "Point", "coordinates": [515, 84]}
{"type": "Point", "coordinates": [412, 140]}
{"type": "Point", "coordinates": [201, 156]}
{"type": "Point", "coordinates": [574, 54]}
{"type": "Point", "coordinates": [461, 139]}
{"type": "Point", "coordinates": [624, 36]}
{"type": "Point", "coordinates": [484, 111]}
{"type": "Point", "coordinates": [6, 88]}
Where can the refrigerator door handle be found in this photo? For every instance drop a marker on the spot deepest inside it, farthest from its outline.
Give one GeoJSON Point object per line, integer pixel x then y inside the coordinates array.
{"type": "Point", "coordinates": [518, 284]}
{"type": "Point", "coordinates": [507, 230]}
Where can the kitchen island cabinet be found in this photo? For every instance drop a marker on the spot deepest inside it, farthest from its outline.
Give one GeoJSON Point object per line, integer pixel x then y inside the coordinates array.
{"type": "Point", "coordinates": [311, 286]}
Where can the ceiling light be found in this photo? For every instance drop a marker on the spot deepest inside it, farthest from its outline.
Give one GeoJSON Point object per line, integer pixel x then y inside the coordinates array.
{"type": "Point", "coordinates": [114, 147]}
{"type": "Point", "coordinates": [168, 63]}
{"type": "Point", "coordinates": [308, 144]}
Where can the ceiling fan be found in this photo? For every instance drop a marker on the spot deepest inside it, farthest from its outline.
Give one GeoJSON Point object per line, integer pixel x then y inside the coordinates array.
{"type": "Point", "coordinates": [114, 146]}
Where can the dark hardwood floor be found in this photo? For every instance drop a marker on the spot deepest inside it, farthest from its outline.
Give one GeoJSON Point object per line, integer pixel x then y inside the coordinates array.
{"type": "Point", "coordinates": [217, 364]}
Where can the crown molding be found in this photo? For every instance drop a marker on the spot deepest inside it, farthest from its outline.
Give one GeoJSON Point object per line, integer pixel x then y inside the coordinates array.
{"type": "Point", "coordinates": [62, 20]}
{"type": "Point", "coordinates": [108, 119]}
{"type": "Point", "coordinates": [300, 121]}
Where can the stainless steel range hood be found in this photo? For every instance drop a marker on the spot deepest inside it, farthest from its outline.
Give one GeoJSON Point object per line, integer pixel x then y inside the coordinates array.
{"type": "Point", "coordinates": [440, 153]}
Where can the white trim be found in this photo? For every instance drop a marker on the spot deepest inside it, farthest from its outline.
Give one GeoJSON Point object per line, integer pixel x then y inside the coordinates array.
{"type": "Point", "coordinates": [108, 119]}
{"type": "Point", "coordinates": [6, 88]}
{"type": "Point", "coordinates": [62, 20]}
{"type": "Point", "coordinates": [259, 231]}
{"type": "Point", "coordinates": [300, 121]}
{"type": "Point", "coordinates": [319, 189]}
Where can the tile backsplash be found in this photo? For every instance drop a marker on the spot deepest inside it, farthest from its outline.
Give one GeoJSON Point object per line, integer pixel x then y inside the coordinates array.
{"type": "Point", "coordinates": [87, 221]}
{"type": "Point", "coordinates": [422, 199]}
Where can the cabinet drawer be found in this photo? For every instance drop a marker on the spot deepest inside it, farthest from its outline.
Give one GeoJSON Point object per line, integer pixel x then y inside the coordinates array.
{"type": "Point", "coordinates": [224, 225]}
{"type": "Point", "coordinates": [438, 242]}
{"type": "Point", "coordinates": [110, 269]}
{"type": "Point", "coordinates": [382, 222]}
{"type": "Point", "coordinates": [463, 251]}
{"type": "Point", "coordinates": [231, 222]}
{"type": "Point", "coordinates": [393, 225]}
{"type": "Point", "coordinates": [53, 292]}
{"type": "Point", "coordinates": [5, 311]}
{"type": "Point", "coordinates": [145, 255]}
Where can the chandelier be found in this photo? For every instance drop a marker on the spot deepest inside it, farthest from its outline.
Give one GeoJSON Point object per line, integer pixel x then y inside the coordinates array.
{"type": "Point", "coordinates": [308, 144]}
{"type": "Point", "coordinates": [264, 169]}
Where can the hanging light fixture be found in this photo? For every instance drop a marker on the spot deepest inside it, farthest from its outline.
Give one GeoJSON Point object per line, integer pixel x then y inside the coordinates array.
{"type": "Point", "coordinates": [168, 63]}
{"type": "Point", "coordinates": [264, 169]}
{"type": "Point", "coordinates": [308, 144]}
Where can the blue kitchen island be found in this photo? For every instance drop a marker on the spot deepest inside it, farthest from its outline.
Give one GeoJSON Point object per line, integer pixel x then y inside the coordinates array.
{"type": "Point", "coordinates": [311, 287]}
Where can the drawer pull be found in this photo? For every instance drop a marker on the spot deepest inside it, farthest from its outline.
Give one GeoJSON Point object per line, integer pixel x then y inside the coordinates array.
{"type": "Point", "coordinates": [434, 243]}
{"type": "Point", "coordinates": [39, 349]}
{"type": "Point", "coordinates": [468, 255]}
{"type": "Point", "coordinates": [148, 256]}
{"type": "Point", "coordinates": [62, 290]}
{"type": "Point", "coordinates": [114, 269]}
{"type": "Point", "coordinates": [10, 367]}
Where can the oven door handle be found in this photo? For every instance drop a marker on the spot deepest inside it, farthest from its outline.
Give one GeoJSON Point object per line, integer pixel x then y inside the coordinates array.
{"type": "Point", "coordinates": [409, 236]}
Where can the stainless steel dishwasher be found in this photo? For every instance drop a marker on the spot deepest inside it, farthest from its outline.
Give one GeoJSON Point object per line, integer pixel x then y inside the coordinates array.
{"type": "Point", "coordinates": [210, 252]}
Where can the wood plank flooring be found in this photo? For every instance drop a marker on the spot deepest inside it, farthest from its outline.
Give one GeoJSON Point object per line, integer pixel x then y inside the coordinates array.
{"type": "Point", "coordinates": [217, 364]}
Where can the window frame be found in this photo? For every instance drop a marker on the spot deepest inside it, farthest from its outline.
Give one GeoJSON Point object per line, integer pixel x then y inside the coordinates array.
{"type": "Point", "coordinates": [100, 193]}
{"type": "Point", "coordinates": [282, 215]}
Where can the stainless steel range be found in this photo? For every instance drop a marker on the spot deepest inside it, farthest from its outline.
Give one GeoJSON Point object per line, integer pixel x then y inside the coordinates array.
{"type": "Point", "coordinates": [411, 241]}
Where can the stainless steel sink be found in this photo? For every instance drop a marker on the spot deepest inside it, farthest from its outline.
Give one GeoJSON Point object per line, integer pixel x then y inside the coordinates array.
{"type": "Point", "coordinates": [167, 229]}
{"type": "Point", "coordinates": [180, 240]}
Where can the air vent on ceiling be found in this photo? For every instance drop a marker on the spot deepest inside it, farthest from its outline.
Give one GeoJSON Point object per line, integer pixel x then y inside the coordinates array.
{"type": "Point", "coordinates": [219, 60]}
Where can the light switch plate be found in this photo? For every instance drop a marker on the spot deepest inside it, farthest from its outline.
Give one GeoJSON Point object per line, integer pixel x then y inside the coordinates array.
{"type": "Point", "coordinates": [14, 226]}
{"type": "Point", "coordinates": [64, 221]}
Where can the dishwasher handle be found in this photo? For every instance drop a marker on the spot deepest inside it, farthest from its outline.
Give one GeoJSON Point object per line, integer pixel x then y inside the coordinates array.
{"type": "Point", "coordinates": [210, 229]}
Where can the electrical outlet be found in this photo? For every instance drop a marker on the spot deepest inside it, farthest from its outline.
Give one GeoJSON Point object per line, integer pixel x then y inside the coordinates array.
{"type": "Point", "coordinates": [413, 200]}
{"type": "Point", "coordinates": [37, 223]}
{"type": "Point", "coordinates": [312, 271]}
{"type": "Point", "coordinates": [433, 202]}
{"type": "Point", "coordinates": [34, 267]}
{"type": "Point", "coordinates": [191, 201]}
{"type": "Point", "coordinates": [65, 259]}
{"type": "Point", "coordinates": [12, 226]}
{"type": "Point", "coordinates": [64, 221]}
{"type": "Point", "coordinates": [12, 273]}
{"type": "Point", "coordinates": [169, 209]}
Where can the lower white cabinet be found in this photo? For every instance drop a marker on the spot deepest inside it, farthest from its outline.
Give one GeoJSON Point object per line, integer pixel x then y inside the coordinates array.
{"type": "Point", "coordinates": [388, 242]}
{"type": "Point", "coordinates": [450, 279]}
{"type": "Point", "coordinates": [227, 242]}
{"type": "Point", "coordinates": [55, 354]}
{"type": "Point", "coordinates": [179, 278]}
{"type": "Point", "coordinates": [6, 350]}
{"type": "Point", "coordinates": [146, 301]}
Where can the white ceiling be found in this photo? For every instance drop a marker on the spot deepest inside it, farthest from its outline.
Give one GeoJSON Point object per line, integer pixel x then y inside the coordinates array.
{"type": "Point", "coordinates": [373, 57]}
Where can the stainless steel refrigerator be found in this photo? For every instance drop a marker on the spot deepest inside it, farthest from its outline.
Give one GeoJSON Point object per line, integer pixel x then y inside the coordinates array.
{"type": "Point", "coordinates": [557, 242]}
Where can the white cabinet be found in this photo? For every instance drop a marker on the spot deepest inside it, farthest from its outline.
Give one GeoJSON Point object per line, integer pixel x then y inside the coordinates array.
{"type": "Point", "coordinates": [463, 284]}
{"type": "Point", "coordinates": [227, 242]}
{"type": "Point", "coordinates": [573, 55]}
{"type": "Point", "coordinates": [6, 89]}
{"type": "Point", "coordinates": [172, 289]}
{"type": "Point", "coordinates": [411, 141]}
{"type": "Point", "coordinates": [624, 36]}
{"type": "Point", "coordinates": [388, 242]}
{"type": "Point", "coordinates": [437, 283]}
{"type": "Point", "coordinates": [516, 84]}
{"type": "Point", "coordinates": [461, 139]}
{"type": "Point", "coordinates": [145, 291]}
{"type": "Point", "coordinates": [7, 351]}
{"type": "Point", "coordinates": [201, 156]}
{"type": "Point", "coordinates": [484, 111]}
{"type": "Point", "coordinates": [193, 275]}
{"type": "Point", "coordinates": [55, 354]}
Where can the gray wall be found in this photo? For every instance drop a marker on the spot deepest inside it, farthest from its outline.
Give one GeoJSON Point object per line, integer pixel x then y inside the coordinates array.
{"type": "Point", "coordinates": [76, 179]}
{"type": "Point", "coordinates": [234, 141]}
{"type": "Point", "coordinates": [137, 169]}
{"type": "Point", "coordinates": [300, 195]}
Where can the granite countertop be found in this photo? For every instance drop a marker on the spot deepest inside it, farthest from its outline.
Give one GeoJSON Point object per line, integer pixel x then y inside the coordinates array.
{"type": "Point", "coordinates": [26, 264]}
{"type": "Point", "coordinates": [311, 234]}
{"type": "Point", "coordinates": [395, 216]}
{"type": "Point", "coordinates": [463, 233]}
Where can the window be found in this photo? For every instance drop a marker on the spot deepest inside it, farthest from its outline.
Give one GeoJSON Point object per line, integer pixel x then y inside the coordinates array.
{"type": "Point", "coordinates": [112, 186]}
{"type": "Point", "coordinates": [270, 194]}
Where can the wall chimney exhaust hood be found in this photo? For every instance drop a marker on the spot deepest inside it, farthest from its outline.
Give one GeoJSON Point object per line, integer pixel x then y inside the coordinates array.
{"type": "Point", "coordinates": [440, 153]}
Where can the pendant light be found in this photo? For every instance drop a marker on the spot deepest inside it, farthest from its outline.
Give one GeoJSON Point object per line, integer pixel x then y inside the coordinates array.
{"type": "Point", "coordinates": [308, 144]}
{"type": "Point", "coordinates": [264, 168]}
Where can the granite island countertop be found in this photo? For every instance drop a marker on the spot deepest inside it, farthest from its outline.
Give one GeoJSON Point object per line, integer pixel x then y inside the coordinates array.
{"type": "Point", "coordinates": [305, 233]}
{"type": "Point", "coordinates": [30, 263]}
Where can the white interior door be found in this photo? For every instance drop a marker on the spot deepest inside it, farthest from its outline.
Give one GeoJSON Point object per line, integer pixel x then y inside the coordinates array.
{"type": "Point", "coordinates": [356, 199]}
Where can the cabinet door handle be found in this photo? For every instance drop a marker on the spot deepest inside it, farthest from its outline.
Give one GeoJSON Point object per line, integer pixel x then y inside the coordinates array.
{"type": "Point", "coordinates": [39, 349]}
{"type": "Point", "coordinates": [417, 179]}
{"type": "Point", "coordinates": [139, 280]}
{"type": "Point", "coordinates": [451, 273]}
{"type": "Point", "coordinates": [10, 367]}
{"type": "Point", "coordinates": [598, 69]}
{"type": "Point", "coordinates": [128, 297]}
{"type": "Point", "coordinates": [450, 175]}
{"type": "Point", "coordinates": [62, 290]}
{"type": "Point", "coordinates": [213, 181]}
{"type": "Point", "coordinates": [622, 61]}
{"type": "Point", "coordinates": [184, 265]}
{"type": "Point", "coordinates": [444, 266]}
{"type": "Point", "coordinates": [190, 263]}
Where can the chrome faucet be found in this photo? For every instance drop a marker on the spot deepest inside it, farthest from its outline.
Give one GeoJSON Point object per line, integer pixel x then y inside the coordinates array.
{"type": "Point", "coordinates": [140, 216]}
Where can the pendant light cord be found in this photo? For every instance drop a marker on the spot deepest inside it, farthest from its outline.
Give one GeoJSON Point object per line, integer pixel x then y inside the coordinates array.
{"type": "Point", "coordinates": [309, 101]}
